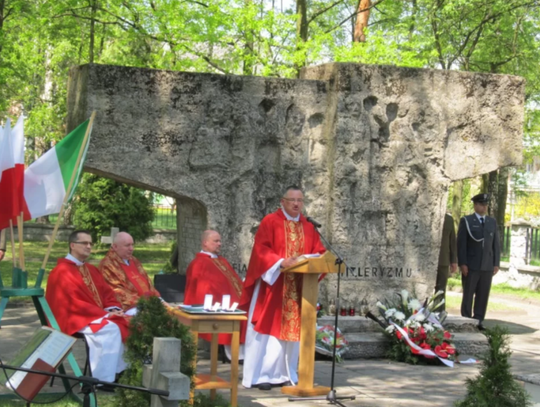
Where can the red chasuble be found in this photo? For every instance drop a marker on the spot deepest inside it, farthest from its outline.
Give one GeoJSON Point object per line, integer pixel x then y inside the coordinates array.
{"type": "Point", "coordinates": [277, 311]}
{"type": "Point", "coordinates": [128, 282]}
{"type": "Point", "coordinates": [78, 295]}
{"type": "Point", "coordinates": [206, 275]}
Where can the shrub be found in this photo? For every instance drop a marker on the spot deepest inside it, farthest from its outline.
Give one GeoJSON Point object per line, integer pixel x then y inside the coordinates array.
{"type": "Point", "coordinates": [495, 385]}
{"type": "Point", "coordinates": [152, 320]}
{"type": "Point", "coordinates": [103, 203]}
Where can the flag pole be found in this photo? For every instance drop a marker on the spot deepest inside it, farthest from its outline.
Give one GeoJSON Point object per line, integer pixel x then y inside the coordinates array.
{"type": "Point", "coordinates": [68, 192]}
{"type": "Point", "coordinates": [14, 258]}
{"type": "Point", "coordinates": [21, 248]}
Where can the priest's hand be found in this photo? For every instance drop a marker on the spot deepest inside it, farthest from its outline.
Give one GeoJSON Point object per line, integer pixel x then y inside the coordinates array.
{"type": "Point", "coordinates": [495, 270]}
{"type": "Point", "coordinates": [288, 262]}
{"type": "Point", "coordinates": [464, 270]}
{"type": "Point", "coordinates": [2, 252]}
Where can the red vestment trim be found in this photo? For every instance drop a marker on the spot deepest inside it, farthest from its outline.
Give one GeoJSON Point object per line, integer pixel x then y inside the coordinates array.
{"type": "Point", "coordinates": [292, 284]}
{"type": "Point", "coordinates": [128, 282]}
{"type": "Point", "coordinates": [272, 243]}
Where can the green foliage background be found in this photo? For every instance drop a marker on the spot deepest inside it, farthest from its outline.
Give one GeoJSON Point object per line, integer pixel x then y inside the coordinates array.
{"type": "Point", "coordinates": [104, 203]}
{"type": "Point", "coordinates": [41, 39]}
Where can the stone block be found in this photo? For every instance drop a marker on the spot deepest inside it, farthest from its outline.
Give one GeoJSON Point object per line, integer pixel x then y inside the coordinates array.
{"type": "Point", "coordinates": [470, 343]}
{"type": "Point", "coordinates": [367, 345]}
{"type": "Point", "coordinates": [374, 147]}
{"type": "Point", "coordinates": [351, 324]}
{"type": "Point", "coordinates": [176, 383]}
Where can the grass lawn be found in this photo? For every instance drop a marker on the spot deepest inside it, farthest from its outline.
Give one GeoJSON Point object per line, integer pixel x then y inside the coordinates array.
{"type": "Point", "coordinates": [104, 400]}
{"type": "Point", "coordinates": [153, 257]}
{"type": "Point", "coordinates": [454, 302]}
{"type": "Point", "coordinates": [164, 218]}
{"type": "Point", "coordinates": [202, 399]}
{"type": "Point", "coordinates": [520, 293]}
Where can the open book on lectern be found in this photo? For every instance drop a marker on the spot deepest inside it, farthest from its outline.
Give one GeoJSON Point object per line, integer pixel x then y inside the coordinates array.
{"type": "Point", "coordinates": [47, 344]}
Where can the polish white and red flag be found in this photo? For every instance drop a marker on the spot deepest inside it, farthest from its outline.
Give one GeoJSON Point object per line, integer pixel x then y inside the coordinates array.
{"type": "Point", "coordinates": [12, 201]}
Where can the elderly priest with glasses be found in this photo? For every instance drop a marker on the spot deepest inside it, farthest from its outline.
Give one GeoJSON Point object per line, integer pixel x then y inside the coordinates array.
{"type": "Point", "coordinates": [83, 302]}
{"type": "Point", "coordinates": [273, 298]}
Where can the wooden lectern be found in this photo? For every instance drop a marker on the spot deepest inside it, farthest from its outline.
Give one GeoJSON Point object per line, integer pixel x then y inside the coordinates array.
{"type": "Point", "coordinates": [310, 269]}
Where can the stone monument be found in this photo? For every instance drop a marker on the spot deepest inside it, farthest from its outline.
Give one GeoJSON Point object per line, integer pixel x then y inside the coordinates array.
{"type": "Point", "coordinates": [374, 147]}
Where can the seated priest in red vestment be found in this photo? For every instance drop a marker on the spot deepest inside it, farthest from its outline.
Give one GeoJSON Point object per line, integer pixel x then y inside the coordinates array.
{"type": "Point", "coordinates": [210, 273]}
{"type": "Point", "coordinates": [272, 298]}
{"type": "Point", "coordinates": [125, 274]}
{"type": "Point", "coordinates": [83, 302]}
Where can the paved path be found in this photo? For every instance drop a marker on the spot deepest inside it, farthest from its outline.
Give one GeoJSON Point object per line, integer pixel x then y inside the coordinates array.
{"type": "Point", "coordinates": [374, 382]}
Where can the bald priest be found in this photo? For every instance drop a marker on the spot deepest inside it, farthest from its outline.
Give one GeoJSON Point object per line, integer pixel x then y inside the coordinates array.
{"type": "Point", "coordinates": [125, 274]}
{"type": "Point", "coordinates": [210, 273]}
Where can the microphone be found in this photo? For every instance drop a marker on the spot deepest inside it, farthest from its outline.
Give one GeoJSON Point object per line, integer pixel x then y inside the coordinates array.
{"type": "Point", "coordinates": [314, 222]}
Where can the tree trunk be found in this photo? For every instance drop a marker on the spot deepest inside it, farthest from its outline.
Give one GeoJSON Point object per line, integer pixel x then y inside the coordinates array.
{"type": "Point", "coordinates": [490, 186]}
{"type": "Point", "coordinates": [362, 19]}
{"type": "Point", "coordinates": [493, 187]}
{"type": "Point", "coordinates": [457, 196]}
{"type": "Point", "coordinates": [502, 195]}
{"type": "Point", "coordinates": [301, 23]}
{"type": "Point", "coordinates": [2, 8]}
{"type": "Point", "coordinates": [248, 61]}
{"type": "Point", "coordinates": [301, 31]}
{"type": "Point", "coordinates": [92, 32]}
{"type": "Point", "coordinates": [412, 26]}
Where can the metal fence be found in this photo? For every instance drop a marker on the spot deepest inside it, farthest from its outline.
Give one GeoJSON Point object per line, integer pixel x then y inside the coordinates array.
{"type": "Point", "coordinates": [165, 217]}
{"type": "Point", "coordinates": [532, 243]}
{"type": "Point", "coordinates": [504, 235]}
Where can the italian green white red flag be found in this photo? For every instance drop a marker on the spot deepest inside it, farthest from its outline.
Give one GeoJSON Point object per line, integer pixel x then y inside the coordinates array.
{"type": "Point", "coordinates": [46, 181]}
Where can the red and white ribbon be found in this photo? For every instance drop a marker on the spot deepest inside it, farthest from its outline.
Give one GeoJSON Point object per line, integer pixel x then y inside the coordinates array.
{"type": "Point", "coordinates": [421, 351]}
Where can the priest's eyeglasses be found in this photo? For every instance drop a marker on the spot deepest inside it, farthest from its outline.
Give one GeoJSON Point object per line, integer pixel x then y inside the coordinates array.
{"type": "Point", "coordinates": [299, 200]}
{"type": "Point", "coordinates": [85, 243]}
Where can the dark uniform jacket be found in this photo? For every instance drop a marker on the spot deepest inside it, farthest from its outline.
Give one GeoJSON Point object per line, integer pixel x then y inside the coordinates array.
{"type": "Point", "coordinates": [481, 256]}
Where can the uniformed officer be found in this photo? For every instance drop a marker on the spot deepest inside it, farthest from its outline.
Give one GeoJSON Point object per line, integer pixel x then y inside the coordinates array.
{"type": "Point", "coordinates": [447, 256]}
{"type": "Point", "coordinates": [478, 258]}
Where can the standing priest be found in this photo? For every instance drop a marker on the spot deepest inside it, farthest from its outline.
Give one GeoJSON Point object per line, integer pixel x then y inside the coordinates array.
{"type": "Point", "coordinates": [81, 301]}
{"type": "Point", "coordinates": [210, 273]}
{"type": "Point", "coordinates": [273, 298]}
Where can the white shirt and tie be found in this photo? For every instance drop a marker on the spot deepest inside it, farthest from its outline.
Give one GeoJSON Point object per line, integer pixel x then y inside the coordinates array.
{"type": "Point", "coordinates": [481, 219]}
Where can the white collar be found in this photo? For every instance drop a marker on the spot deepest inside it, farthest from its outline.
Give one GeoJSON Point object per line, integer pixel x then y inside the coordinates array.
{"type": "Point", "coordinates": [74, 259]}
{"type": "Point", "coordinates": [480, 217]}
{"type": "Point", "coordinates": [126, 262]}
{"type": "Point", "coordinates": [289, 217]}
{"type": "Point", "coordinates": [212, 255]}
